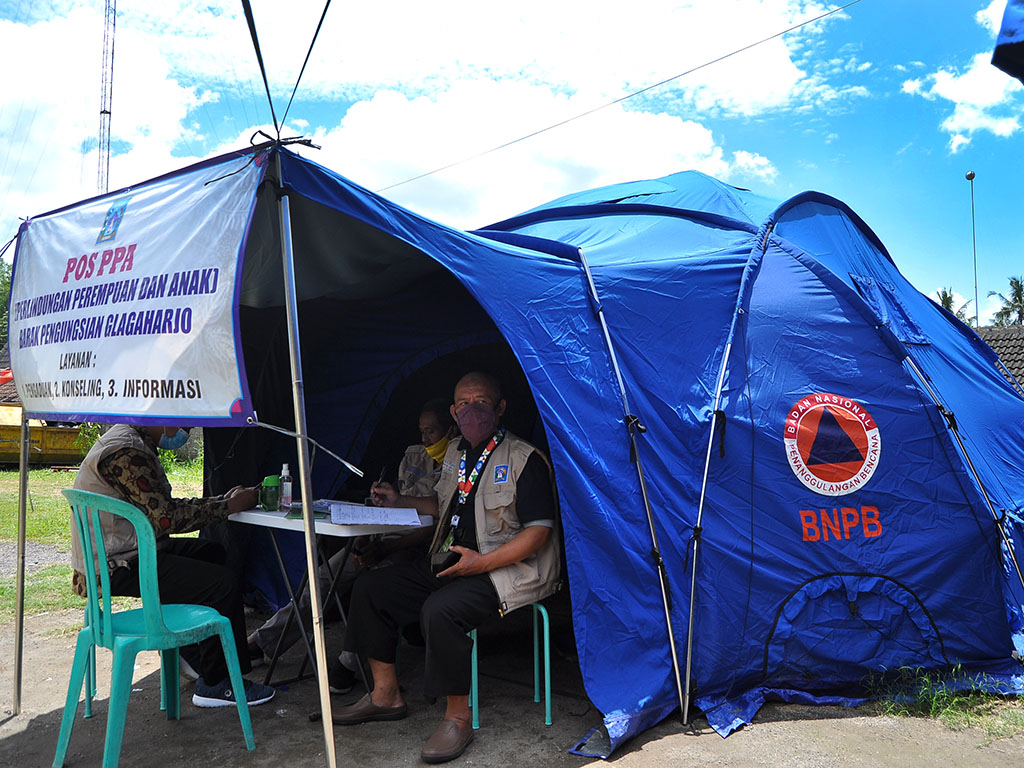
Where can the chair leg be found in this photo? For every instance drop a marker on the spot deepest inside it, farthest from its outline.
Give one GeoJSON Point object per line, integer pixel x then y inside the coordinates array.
{"type": "Point", "coordinates": [78, 670]}
{"type": "Point", "coordinates": [90, 672]}
{"type": "Point", "coordinates": [474, 685]}
{"type": "Point", "coordinates": [227, 642]}
{"type": "Point", "coordinates": [170, 687]}
{"type": "Point", "coordinates": [90, 680]}
{"type": "Point", "coordinates": [538, 608]}
{"type": "Point", "coordinates": [120, 690]}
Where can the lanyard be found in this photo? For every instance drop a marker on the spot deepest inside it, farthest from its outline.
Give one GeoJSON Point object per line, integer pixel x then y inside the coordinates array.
{"type": "Point", "coordinates": [466, 486]}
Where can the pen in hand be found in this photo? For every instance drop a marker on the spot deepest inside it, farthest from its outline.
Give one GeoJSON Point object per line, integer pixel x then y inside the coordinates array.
{"type": "Point", "coordinates": [373, 489]}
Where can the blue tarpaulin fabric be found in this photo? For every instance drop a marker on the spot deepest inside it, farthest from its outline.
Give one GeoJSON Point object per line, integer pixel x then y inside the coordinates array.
{"type": "Point", "coordinates": [861, 545]}
{"type": "Point", "coordinates": [864, 477]}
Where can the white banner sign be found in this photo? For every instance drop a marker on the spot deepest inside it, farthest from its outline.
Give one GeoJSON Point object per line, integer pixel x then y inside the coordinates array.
{"type": "Point", "coordinates": [124, 308]}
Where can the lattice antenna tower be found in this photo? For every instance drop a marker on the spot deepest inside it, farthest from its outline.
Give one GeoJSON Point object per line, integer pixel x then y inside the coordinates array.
{"type": "Point", "coordinates": [106, 95]}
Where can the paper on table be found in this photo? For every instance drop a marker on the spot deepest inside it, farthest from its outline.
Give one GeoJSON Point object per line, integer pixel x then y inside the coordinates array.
{"type": "Point", "coordinates": [344, 513]}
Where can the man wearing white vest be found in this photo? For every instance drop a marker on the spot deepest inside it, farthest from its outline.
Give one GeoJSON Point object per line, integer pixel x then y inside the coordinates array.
{"type": "Point", "coordinates": [124, 464]}
{"type": "Point", "coordinates": [495, 549]}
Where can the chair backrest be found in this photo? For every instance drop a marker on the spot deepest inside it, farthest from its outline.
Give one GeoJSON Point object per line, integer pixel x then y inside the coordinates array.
{"type": "Point", "coordinates": [86, 507]}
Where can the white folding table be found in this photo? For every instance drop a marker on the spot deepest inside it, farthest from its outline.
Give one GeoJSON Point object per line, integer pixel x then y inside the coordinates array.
{"type": "Point", "coordinates": [272, 521]}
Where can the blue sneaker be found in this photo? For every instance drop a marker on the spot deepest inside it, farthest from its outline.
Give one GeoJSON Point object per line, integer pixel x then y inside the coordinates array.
{"type": "Point", "coordinates": [221, 695]}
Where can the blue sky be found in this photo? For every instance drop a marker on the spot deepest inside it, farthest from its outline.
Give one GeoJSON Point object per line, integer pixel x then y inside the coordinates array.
{"type": "Point", "coordinates": [884, 105]}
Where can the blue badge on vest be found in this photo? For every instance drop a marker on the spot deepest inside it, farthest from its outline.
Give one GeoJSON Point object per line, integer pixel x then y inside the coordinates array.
{"type": "Point", "coordinates": [501, 473]}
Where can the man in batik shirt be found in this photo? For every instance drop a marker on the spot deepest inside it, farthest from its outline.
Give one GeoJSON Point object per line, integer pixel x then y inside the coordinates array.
{"type": "Point", "coordinates": [124, 464]}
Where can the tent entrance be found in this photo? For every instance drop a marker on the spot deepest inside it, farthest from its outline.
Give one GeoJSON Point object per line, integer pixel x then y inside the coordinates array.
{"type": "Point", "coordinates": [376, 349]}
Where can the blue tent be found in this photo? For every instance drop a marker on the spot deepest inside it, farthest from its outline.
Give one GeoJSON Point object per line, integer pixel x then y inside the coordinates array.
{"type": "Point", "coordinates": [844, 457]}
{"type": "Point", "coordinates": [782, 471]}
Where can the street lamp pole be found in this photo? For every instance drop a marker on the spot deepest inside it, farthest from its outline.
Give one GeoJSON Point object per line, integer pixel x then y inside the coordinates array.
{"type": "Point", "coordinates": [974, 244]}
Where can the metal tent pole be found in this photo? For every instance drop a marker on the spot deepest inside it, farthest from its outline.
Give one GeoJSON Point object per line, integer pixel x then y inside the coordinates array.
{"type": "Point", "coordinates": [635, 427]}
{"type": "Point", "coordinates": [697, 530]}
{"type": "Point", "coordinates": [302, 444]}
{"type": "Point", "coordinates": [19, 611]}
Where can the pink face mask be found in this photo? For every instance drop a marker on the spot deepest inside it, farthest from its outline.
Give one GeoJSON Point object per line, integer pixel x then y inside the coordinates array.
{"type": "Point", "coordinates": [477, 422]}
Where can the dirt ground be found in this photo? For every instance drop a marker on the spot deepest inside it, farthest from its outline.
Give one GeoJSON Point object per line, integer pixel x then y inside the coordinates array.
{"type": "Point", "coordinates": [512, 728]}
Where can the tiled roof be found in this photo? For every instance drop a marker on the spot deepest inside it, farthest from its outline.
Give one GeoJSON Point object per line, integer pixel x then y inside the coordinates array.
{"type": "Point", "coordinates": [1008, 342]}
{"type": "Point", "coordinates": [9, 393]}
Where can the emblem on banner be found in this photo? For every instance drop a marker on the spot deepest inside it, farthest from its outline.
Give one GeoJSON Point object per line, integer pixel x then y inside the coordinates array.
{"type": "Point", "coordinates": [113, 219]}
{"type": "Point", "coordinates": [832, 443]}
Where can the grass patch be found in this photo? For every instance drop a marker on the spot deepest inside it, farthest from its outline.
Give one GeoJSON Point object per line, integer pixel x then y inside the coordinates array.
{"type": "Point", "coordinates": [47, 521]}
{"type": "Point", "coordinates": [955, 699]}
{"type": "Point", "coordinates": [48, 590]}
{"type": "Point", "coordinates": [47, 517]}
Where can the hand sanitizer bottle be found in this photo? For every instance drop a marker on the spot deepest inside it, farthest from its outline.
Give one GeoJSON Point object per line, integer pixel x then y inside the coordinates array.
{"type": "Point", "coordinates": [286, 487]}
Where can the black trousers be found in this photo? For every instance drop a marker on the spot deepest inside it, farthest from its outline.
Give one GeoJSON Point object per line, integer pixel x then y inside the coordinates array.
{"type": "Point", "coordinates": [193, 571]}
{"type": "Point", "coordinates": [385, 600]}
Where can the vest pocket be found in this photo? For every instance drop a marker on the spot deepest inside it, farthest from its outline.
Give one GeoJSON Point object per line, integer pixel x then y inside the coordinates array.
{"type": "Point", "coordinates": [499, 506]}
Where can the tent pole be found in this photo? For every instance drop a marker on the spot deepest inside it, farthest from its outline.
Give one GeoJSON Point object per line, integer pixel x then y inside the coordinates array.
{"type": "Point", "coordinates": [302, 444]}
{"type": "Point", "coordinates": [19, 610]}
{"type": "Point", "coordinates": [697, 529]}
{"type": "Point", "coordinates": [951, 423]}
{"type": "Point", "coordinates": [635, 427]}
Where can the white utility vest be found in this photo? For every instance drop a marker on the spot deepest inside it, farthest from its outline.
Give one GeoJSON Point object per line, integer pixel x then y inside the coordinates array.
{"type": "Point", "coordinates": [520, 583]}
{"type": "Point", "coordinates": [118, 534]}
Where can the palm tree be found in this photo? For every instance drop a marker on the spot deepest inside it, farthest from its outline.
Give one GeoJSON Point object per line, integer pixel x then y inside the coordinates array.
{"type": "Point", "coordinates": [946, 300]}
{"type": "Point", "coordinates": [1012, 311]}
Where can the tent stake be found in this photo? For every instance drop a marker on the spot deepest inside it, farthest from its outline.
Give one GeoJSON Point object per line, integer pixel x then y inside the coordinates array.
{"type": "Point", "coordinates": [302, 444]}
{"type": "Point", "coordinates": [635, 428]}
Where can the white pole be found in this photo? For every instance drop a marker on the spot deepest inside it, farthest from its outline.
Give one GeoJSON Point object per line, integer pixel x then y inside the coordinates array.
{"type": "Point", "coordinates": [19, 620]}
{"type": "Point", "coordinates": [974, 245]}
{"type": "Point", "coordinates": [302, 444]}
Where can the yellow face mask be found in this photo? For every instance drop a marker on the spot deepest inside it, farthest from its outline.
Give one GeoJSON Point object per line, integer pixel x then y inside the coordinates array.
{"type": "Point", "coordinates": [436, 451]}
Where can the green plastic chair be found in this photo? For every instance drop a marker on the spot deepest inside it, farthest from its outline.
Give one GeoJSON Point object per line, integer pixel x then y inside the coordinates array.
{"type": "Point", "coordinates": [474, 690]}
{"type": "Point", "coordinates": [154, 627]}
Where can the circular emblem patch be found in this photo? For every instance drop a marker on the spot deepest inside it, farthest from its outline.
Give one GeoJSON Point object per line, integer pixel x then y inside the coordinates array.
{"type": "Point", "coordinates": [832, 443]}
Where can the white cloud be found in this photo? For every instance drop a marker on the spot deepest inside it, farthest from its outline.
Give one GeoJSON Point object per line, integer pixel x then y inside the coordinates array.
{"type": "Point", "coordinates": [981, 85]}
{"type": "Point", "coordinates": [418, 94]}
{"type": "Point", "coordinates": [991, 16]}
{"type": "Point", "coordinates": [983, 99]}
{"type": "Point", "coordinates": [754, 165]}
{"type": "Point", "coordinates": [989, 306]}
{"type": "Point", "coordinates": [50, 120]}
{"type": "Point", "coordinates": [374, 146]}
{"type": "Point", "coordinates": [601, 46]}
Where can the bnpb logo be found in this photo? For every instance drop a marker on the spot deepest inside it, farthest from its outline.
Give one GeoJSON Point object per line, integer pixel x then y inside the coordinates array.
{"type": "Point", "coordinates": [832, 443]}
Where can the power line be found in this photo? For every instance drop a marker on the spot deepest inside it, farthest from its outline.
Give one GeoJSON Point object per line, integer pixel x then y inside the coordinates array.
{"type": "Point", "coordinates": [620, 99]}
